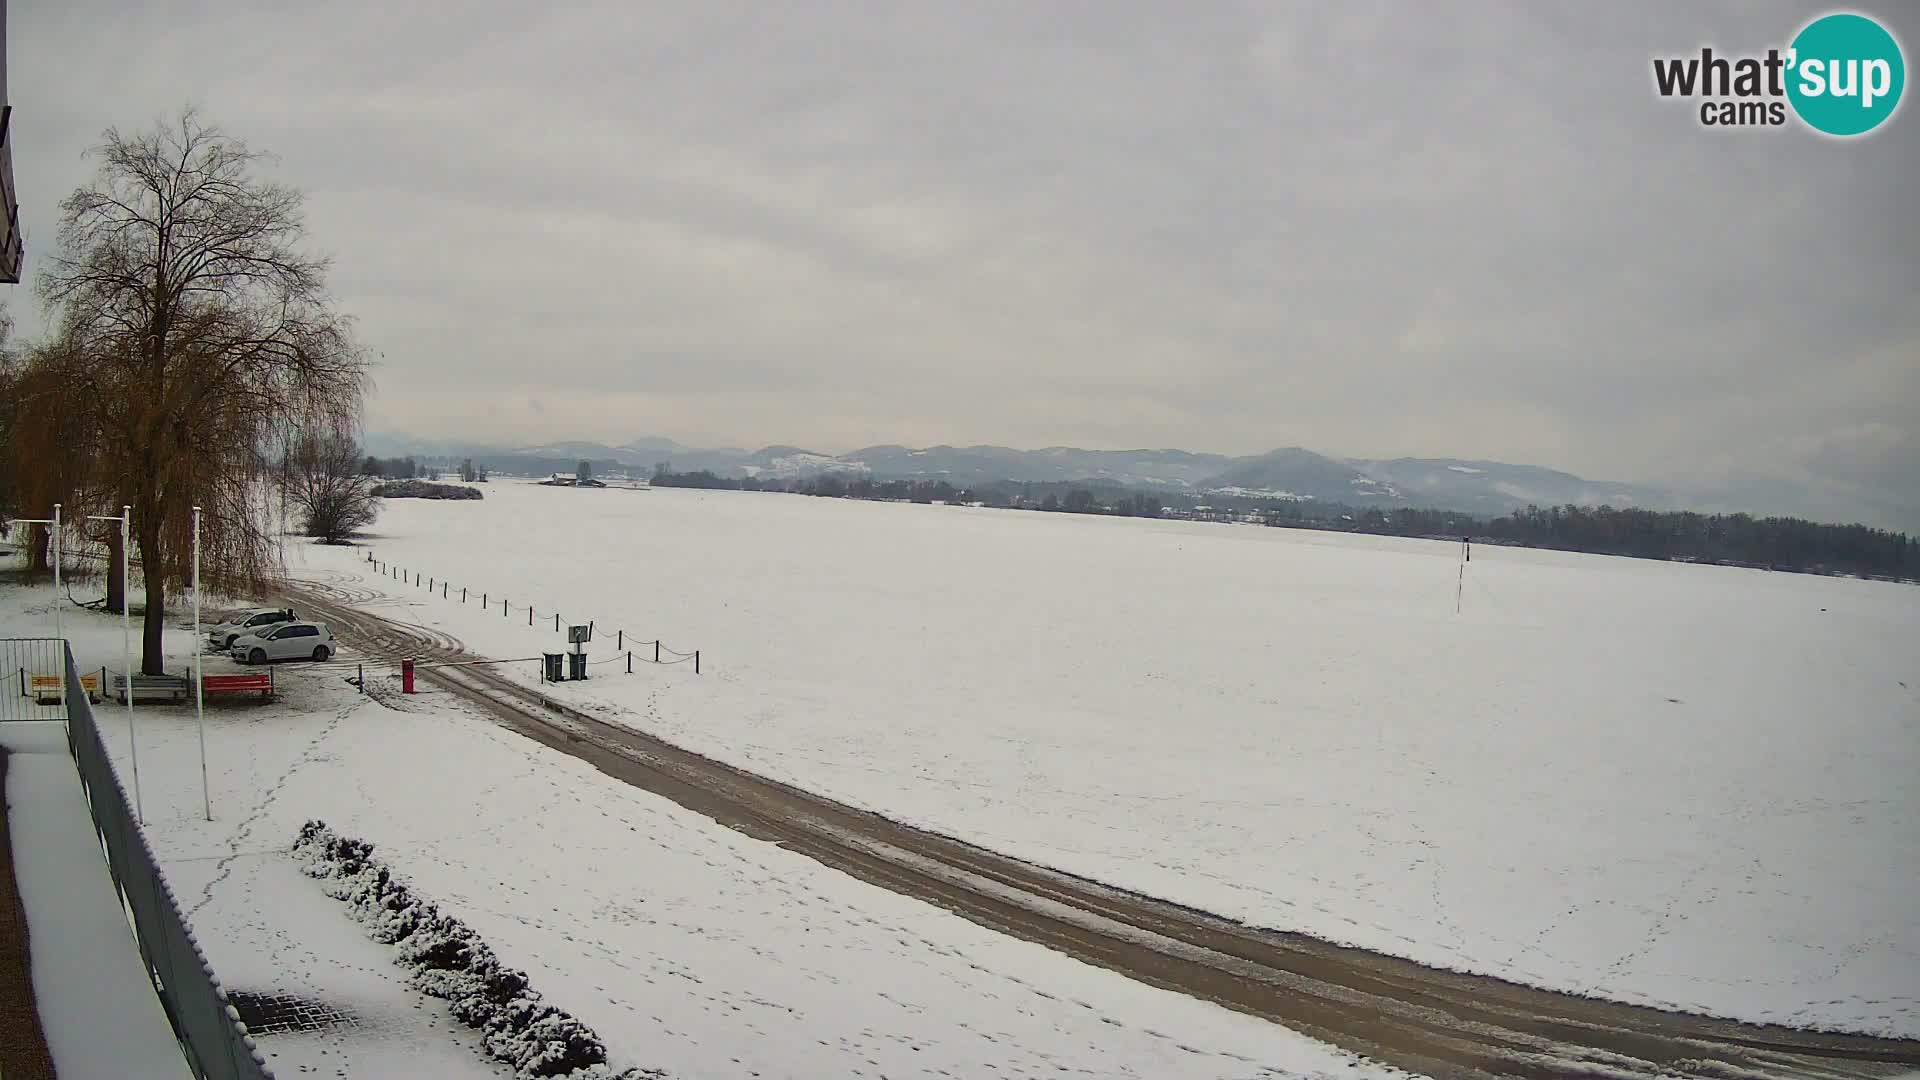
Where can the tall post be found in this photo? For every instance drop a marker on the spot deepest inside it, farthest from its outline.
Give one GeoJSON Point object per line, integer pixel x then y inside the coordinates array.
{"type": "Point", "coordinates": [126, 645]}
{"type": "Point", "coordinates": [126, 650]}
{"type": "Point", "coordinates": [199, 681]}
{"type": "Point", "coordinates": [53, 540]}
{"type": "Point", "coordinates": [57, 631]}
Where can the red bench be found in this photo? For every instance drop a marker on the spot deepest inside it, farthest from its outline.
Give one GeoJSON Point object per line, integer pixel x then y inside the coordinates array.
{"type": "Point", "coordinates": [240, 683]}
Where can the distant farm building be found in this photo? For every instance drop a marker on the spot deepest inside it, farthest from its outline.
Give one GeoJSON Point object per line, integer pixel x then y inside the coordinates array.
{"type": "Point", "coordinates": [567, 479]}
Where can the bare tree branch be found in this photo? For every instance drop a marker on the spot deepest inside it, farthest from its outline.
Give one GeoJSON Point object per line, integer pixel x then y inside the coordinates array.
{"type": "Point", "coordinates": [196, 337]}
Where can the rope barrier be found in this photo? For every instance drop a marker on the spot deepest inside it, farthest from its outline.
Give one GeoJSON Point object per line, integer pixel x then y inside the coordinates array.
{"type": "Point", "coordinates": [388, 570]}
{"type": "Point", "coordinates": [475, 663]}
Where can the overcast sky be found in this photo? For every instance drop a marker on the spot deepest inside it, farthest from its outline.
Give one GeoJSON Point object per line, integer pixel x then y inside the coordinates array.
{"type": "Point", "coordinates": [1371, 230]}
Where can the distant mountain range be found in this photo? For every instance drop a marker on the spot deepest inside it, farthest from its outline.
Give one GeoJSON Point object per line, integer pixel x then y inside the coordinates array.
{"type": "Point", "coordinates": [1481, 487]}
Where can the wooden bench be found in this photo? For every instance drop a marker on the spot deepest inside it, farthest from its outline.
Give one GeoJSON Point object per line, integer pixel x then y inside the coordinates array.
{"type": "Point", "coordinates": [240, 683]}
{"type": "Point", "coordinates": [46, 688]}
{"type": "Point", "coordinates": [171, 688]}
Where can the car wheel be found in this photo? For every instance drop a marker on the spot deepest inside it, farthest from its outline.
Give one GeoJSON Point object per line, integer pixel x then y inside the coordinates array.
{"type": "Point", "coordinates": [320, 655]}
{"type": "Point", "coordinates": [231, 638]}
{"type": "Point", "coordinates": [257, 656]}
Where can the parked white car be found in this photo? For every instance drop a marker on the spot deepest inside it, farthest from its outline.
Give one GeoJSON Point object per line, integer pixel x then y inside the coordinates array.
{"type": "Point", "coordinates": [286, 641]}
{"type": "Point", "coordinates": [259, 620]}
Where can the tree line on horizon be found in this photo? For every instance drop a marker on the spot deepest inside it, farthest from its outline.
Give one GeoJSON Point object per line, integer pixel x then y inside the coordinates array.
{"type": "Point", "coordinates": [1778, 543]}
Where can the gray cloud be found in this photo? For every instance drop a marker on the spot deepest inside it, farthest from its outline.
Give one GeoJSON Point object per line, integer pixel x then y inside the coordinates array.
{"type": "Point", "coordinates": [1369, 228]}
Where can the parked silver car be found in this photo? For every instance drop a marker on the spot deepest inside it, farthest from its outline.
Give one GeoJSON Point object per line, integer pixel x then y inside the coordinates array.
{"type": "Point", "coordinates": [286, 641]}
{"type": "Point", "coordinates": [259, 620]}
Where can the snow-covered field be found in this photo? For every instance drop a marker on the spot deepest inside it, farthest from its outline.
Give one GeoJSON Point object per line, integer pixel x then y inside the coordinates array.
{"type": "Point", "coordinates": [686, 945]}
{"type": "Point", "coordinates": [1678, 785]}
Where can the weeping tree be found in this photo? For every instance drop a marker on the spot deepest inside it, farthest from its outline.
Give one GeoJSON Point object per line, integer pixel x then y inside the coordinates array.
{"type": "Point", "coordinates": [50, 451]}
{"type": "Point", "coordinates": [209, 344]}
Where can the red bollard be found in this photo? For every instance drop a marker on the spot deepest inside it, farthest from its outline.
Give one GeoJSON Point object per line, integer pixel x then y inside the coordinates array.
{"type": "Point", "coordinates": [406, 675]}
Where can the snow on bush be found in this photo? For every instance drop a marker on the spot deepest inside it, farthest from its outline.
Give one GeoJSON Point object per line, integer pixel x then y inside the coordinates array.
{"type": "Point", "coordinates": [448, 960]}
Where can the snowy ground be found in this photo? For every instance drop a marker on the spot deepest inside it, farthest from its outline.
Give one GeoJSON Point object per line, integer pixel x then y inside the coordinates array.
{"type": "Point", "coordinates": [1676, 785]}
{"type": "Point", "coordinates": [97, 1005]}
{"type": "Point", "coordinates": [687, 946]}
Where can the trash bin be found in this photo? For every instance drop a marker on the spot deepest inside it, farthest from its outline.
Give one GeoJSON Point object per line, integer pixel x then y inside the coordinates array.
{"type": "Point", "coordinates": [576, 665]}
{"type": "Point", "coordinates": [550, 666]}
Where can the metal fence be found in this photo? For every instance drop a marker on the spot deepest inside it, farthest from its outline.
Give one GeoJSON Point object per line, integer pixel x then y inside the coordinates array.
{"type": "Point", "coordinates": [216, 1043]}
{"type": "Point", "coordinates": [33, 670]}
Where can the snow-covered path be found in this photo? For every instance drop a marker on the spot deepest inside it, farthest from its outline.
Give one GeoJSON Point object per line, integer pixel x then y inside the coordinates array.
{"type": "Point", "coordinates": [97, 1004]}
{"type": "Point", "coordinates": [687, 945]}
{"type": "Point", "coordinates": [1390, 1010]}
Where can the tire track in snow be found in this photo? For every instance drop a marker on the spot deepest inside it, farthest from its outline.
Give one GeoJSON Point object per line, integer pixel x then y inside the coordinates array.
{"type": "Point", "coordinates": [1415, 1017]}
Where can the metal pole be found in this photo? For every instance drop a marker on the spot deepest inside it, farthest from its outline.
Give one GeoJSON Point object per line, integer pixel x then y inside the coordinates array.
{"type": "Point", "coordinates": [53, 539]}
{"type": "Point", "coordinates": [56, 592]}
{"type": "Point", "coordinates": [199, 680]}
{"type": "Point", "coordinates": [58, 629]}
{"type": "Point", "coordinates": [126, 650]}
{"type": "Point", "coordinates": [126, 644]}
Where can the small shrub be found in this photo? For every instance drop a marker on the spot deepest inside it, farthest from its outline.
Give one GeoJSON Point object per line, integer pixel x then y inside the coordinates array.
{"type": "Point", "coordinates": [447, 960]}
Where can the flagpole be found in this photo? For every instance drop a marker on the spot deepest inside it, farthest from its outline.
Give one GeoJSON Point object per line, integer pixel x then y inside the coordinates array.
{"type": "Point", "coordinates": [56, 589]}
{"type": "Point", "coordinates": [126, 645]}
{"type": "Point", "coordinates": [199, 683]}
{"type": "Point", "coordinates": [58, 603]}
{"type": "Point", "coordinates": [126, 651]}
{"type": "Point", "coordinates": [53, 541]}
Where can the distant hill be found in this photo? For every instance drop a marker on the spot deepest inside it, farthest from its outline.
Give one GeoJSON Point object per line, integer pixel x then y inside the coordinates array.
{"type": "Point", "coordinates": [1480, 487]}
{"type": "Point", "coordinates": [1495, 487]}
{"type": "Point", "coordinates": [968, 465]}
{"type": "Point", "coordinates": [1294, 473]}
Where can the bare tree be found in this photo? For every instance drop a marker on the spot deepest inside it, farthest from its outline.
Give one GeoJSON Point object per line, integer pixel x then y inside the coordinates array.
{"type": "Point", "coordinates": [326, 485]}
{"type": "Point", "coordinates": [209, 340]}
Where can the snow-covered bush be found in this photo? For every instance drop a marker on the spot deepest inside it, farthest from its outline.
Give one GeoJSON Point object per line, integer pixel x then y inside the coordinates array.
{"type": "Point", "coordinates": [446, 959]}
